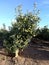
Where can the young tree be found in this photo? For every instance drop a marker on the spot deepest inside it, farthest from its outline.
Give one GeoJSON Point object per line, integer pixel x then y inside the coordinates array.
{"type": "Point", "coordinates": [22, 30]}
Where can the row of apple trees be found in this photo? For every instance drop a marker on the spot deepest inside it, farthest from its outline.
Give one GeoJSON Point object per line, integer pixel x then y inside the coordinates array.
{"type": "Point", "coordinates": [43, 33]}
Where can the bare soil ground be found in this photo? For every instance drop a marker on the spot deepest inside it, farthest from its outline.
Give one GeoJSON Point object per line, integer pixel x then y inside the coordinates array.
{"type": "Point", "coordinates": [34, 54]}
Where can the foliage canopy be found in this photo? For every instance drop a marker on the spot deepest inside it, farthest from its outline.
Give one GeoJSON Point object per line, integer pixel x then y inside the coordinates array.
{"type": "Point", "coordinates": [21, 31]}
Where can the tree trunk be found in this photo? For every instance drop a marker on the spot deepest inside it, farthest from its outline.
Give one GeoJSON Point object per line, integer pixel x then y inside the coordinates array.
{"type": "Point", "coordinates": [16, 53]}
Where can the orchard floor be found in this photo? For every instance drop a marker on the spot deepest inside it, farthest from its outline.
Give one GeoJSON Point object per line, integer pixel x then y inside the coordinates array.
{"type": "Point", "coordinates": [32, 55]}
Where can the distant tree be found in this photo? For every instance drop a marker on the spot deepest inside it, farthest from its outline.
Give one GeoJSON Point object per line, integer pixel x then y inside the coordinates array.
{"type": "Point", "coordinates": [43, 33]}
{"type": "Point", "coordinates": [3, 34]}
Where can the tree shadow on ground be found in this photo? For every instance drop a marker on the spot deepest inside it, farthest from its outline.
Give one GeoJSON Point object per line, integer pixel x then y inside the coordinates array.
{"type": "Point", "coordinates": [8, 55]}
{"type": "Point", "coordinates": [35, 53]}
